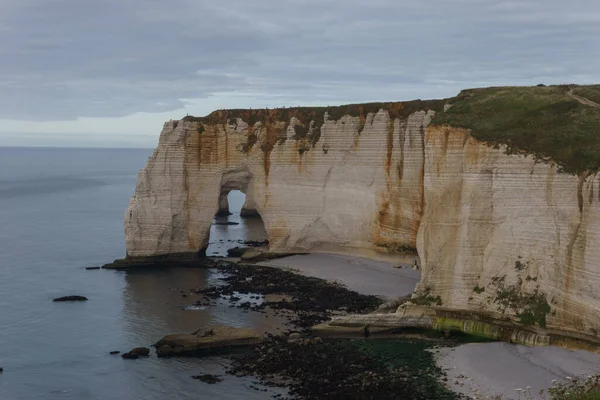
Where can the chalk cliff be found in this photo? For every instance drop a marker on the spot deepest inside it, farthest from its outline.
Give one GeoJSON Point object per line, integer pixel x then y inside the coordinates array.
{"type": "Point", "coordinates": [508, 235]}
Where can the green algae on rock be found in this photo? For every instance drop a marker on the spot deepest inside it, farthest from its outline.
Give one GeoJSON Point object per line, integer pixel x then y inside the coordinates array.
{"type": "Point", "coordinates": [355, 370]}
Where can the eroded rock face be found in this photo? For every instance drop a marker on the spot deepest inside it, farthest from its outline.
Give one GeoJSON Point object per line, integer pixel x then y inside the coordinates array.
{"type": "Point", "coordinates": [509, 236]}
{"type": "Point", "coordinates": [356, 187]}
{"type": "Point", "coordinates": [495, 233]}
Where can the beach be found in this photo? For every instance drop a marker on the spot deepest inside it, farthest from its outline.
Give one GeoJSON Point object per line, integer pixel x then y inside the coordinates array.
{"type": "Point", "coordinates": [478, 370]}
{"type": "Point", "coordinates": [365, 276]}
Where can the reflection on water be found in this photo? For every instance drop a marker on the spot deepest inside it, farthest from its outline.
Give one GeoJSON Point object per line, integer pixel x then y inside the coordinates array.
{"type": "Point", "coordinates": [154, 305]}
{"type": "Point", "coordinates": [62, 210]}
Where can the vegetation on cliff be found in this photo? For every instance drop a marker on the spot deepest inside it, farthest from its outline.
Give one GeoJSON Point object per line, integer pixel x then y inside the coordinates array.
{"type": "Point", "coordinates": [550, 122]}
{"type": "Point", "coordinates": [309, 120]}
{"type": "Point", "coordinates": [530, 308]}
{"type": "Point", "coordinates": [317, 114]}
{"type": "Point", "coordinates": [558, 123]}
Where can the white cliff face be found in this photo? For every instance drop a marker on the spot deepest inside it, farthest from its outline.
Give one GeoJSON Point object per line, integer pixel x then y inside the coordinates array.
{"type": "Point", "coordinates": [498, 229]}
{"type": "Point", "coordinates": [352, 191]}
{"type": "Point", "coordinates": [495, 233]}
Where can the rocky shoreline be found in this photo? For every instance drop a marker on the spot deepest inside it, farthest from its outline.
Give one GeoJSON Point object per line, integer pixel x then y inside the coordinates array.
{"type": "Point", "coordinates": [309, 366]}
{"type": "Point", "coordinates": [311, 300]}
{"type": "Point", "coordinates": [346, 369]}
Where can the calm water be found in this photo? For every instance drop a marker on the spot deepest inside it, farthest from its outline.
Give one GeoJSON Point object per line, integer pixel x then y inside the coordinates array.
{"type": "Point", "coordinates": [60, 211]}
{"type": "Point", "coordinates": [223, 237]}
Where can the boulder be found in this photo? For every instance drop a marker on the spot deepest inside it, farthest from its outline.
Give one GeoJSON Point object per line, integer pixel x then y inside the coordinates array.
{"type": "Point", "coordinates": [254, 255]}
{"type": "Point", "coordinates": [216, 337]}
{"type": "Point", "coordinates": [137, 353]}
{"type": "Point", "coordinates": [294, 337]}
{"type": "Point", "coordinates": [278, 298]}
{"type": "Point", "coordinates": [236, 251]}
{"type": "Point", "coordinates": [71, 298]}
{"type": "Point", "coordinates": [208, 378]}
{"type": "Point", "coordinates": [166, 351]}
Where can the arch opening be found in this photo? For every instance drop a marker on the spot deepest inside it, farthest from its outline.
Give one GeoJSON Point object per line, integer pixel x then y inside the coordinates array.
{"type": "Point", "coordinates": [237, 224]}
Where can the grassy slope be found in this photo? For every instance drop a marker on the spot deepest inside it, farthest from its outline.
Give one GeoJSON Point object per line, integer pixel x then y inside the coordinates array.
{"type": "Point", "coordinates": [543, 121]}
{"type": "Point", "coordinates": [591, 92]}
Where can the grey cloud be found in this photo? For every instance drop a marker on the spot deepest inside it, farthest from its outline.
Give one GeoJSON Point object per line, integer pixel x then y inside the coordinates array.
{"type": "Point", "coordinates": [63, 59]}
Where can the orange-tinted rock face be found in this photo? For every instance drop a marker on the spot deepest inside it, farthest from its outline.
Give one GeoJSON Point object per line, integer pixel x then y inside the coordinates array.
{"type": "Point", "coordinates": [494, 233]}
{"type": "Point", "coordinates": [319, 183]}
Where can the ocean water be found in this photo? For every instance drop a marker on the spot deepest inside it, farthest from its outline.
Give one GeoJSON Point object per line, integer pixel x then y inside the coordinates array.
{"type": "Point", "coordinates": [224, 237]}
{"type": "Point", "coordinates": [61, 210]}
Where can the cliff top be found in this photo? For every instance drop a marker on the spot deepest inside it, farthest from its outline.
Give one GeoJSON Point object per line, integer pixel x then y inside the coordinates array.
{"type": "Point", "coordinates": [554, 123]}
{"type": "Point", "coordinates": [306, 114]}
{"type": "Point", "coordinates": [559, 123]}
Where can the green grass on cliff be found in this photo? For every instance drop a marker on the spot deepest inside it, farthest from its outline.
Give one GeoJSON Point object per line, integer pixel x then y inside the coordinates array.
{"type": "Point", "coordinates": [544, 121]}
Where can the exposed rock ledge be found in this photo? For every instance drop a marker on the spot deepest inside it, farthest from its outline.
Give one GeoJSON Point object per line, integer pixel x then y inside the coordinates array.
{"type": "Point", "coordinates": [216, 337]}
{"type": "Point", "coordinates": [424, 319]}
{"type": "Point", "coordinates": [495, 233]}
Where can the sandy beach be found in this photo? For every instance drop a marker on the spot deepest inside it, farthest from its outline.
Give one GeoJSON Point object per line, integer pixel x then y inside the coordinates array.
{"type": "Point", "coordinates": [362, 275]}
{"type": "Point", "coordinates": [478, 370]}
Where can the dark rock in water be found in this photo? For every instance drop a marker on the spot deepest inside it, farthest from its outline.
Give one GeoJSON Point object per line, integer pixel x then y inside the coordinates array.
{"type": "Point", "coordinates": [136, 353]}
{"type": "Point", "coordinates": [226, 223]}
{"type": "Point", "coordinates": [141, 351]}
{"type": "Point", "coordinates": [236, 251]}
{"type": "Point", "coordinates": [223, 213]}
{"type": "Point", "coordinates": [115, 352]}
{"type": "Point", "coordinates": [208, 378]}
{"type": "Point", "coordinates": [89, 268]}
{"type": "Point", "coordinates": [1, 370]}
{"type": "Point", "coordinates": [166, 351]}
{"type": "Point", "coordinates": [71, 298]}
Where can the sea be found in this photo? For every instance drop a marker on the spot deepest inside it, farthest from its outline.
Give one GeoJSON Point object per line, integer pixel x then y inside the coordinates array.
{"type": "Point", "coordinates": [61, 210]}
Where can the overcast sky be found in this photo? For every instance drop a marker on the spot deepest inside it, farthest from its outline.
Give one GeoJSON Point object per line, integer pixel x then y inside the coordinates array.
{"type": "Point", "coordinates": [110, 72]}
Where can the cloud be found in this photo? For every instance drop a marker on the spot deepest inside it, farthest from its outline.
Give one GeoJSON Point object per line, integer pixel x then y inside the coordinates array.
{"type": "Point", "coordinates": [68, 59]}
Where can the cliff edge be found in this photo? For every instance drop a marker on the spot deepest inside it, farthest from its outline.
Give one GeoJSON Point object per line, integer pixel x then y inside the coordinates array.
{"type": "Point", "coordinates": [496, 190]}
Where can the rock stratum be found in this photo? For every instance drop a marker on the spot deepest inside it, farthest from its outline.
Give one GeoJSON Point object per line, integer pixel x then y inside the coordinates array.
{"type": "Point", "coordinates": [496, 190]}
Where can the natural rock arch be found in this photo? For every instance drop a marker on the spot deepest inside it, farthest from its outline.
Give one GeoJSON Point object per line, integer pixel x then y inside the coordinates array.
{"type": "Point", "coordinates": [377, 180]}
{"type": "Point", "coordinates": [241, 179]}
{"type": "Point", "coordinates": [237, 180]}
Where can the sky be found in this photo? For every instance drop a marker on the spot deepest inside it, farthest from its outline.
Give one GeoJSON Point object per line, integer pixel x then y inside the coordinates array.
{"type": "Point", "coordinates": [111, 72]}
